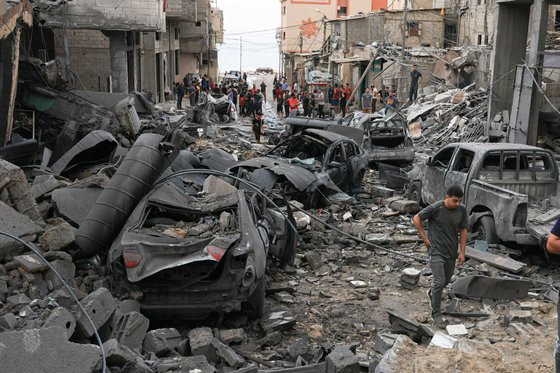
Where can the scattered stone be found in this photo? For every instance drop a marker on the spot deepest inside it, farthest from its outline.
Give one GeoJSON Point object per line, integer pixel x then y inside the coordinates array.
{"type": "Point", "coordinates": [378, 238]}
{"type": "Point", "coordinates": [527, 306]}
{"type": "Point", "coordinates": [31, 263]}
{"type": "Point", "coordinates": [17, 224]}
{"type": "Point", "coordinates": [457, 330]}
{"type": "Point", "coordinates": [410, 278]}
{"type": "Point", "coordinates": [278, 321]}
{"type": "Point", "coordinates": [57, 238]}
{"type": "Point", "coordinates": [381, 191]}
{"type": "Point", "coordinates": [342, 360]}
{"type": "Point", "coordinates": [191, 364]}
{"type": "Point", "coordinates": [302, 220]}
{"type": "Point", "coordinates": [123, 357]}
{"type": "Point", "coordinates": [347, 216]}
{"type": "Point", "coordinates": [314, 259]}
{"type": "Point", "coordinates": [161, 341]}
{"type": "Point", "coordinates": [130, 329]}
{"type": "Point", "coordinates": [63, 318]}
{"type": "Point", "coordinates": [8, 321]}
{"type": "Point", "coordinates": [99, 306]}
{"type": "Point", "coordinates": [284, 297]}
{"type": "Point", "coordinates": [442, 340]}
{"type": "Point", "coordinates": [229, 336]}
{"type": "Point", "coordinates": [227, 354]}
{"type": "Point", "coordinates": [44, 184]}
{"type": "Point", "coordinates": [67, 271]}
{"type": "Point", "coordinates": [47, 348]}
{"type": "Point", "coordinates": [200, 340]}
{"type": "Point", "coordinates": [384, 342]}
{"type": "Point", "coordinates": [520, 316]}
{"type": "Point", "coordinates": [270, 339]}
{"type": "Point", "coordinates": [18, 299]}
{"type": "Point", "coordinates": [357, 284]}
{"type": "Point", "coordinates": [301, 347]}
{"type": "Point", "coordinates": [316, 331]}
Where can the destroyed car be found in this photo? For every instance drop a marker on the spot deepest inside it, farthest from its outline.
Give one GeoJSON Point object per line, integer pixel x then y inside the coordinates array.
{"type": "Point", "coordinates": [386, 139]}
{"type": "Point", "coordinates": [193, 255]}
{"type": "Point", "coordinates": [500, 182]}
{"type": "Point", "coordinates": [308, 167]}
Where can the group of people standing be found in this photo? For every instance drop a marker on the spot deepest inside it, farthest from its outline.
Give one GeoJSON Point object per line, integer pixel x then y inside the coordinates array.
{"type": "Point", "coordinates": [194, 89]}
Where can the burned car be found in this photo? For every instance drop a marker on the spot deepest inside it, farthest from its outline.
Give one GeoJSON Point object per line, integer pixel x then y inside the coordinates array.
{"type": "Point", "coordinates": [503, 184]}
{"type": "Point", "coordinates": [386, 139]}
{"type": "Point", "coordinates": [193, 255]}
{"type": "Point", "coordinates": [308, 166]}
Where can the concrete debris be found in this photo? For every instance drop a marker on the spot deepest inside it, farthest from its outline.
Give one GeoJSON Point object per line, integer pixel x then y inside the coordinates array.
{"type": "Point", "coordinates": [48, 348]}
{"type": "Point", "coordinates": [410, 278]}
{"type": "Point", "coordinates": [493, 288]}
{"type": "Point", "coordinates": [161, 341]}
{"type": "Point", "coordinates": [193, 364]}
{"type": "Point", "coordinates": [456, 330]}
{"type": "Point", "coordinates": [130, 328]}
{"type": "Point", "coordinates": [342, 360]}
{"type": "Point", "coordinates": [99, 306]}
{"type": "Point", "coordinates": [57, 238]}
{"type": "Point", "coordinates": [63, 318]}
{"type": "Point", "coordinates": [232, 336]}
{"type": "Point", "coordinates": [200, 340]}
{"type": "Point", "coordinates": [231, 358]}
{"type": "Point", "coordinates": [442, 340]}
{"type": "Point", "coordinates": [18, 225]}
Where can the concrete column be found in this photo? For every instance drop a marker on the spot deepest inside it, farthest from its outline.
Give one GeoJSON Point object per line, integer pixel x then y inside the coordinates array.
{"type": "Point", "coordinates": [537, 32]}
{"type": "Point", "coordinates": [510, 44]}
{"type": "Point", "coordinates": [119, 67]}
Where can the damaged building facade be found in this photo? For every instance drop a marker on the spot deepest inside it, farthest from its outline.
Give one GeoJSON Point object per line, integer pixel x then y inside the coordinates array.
{"type": "Point", "coordinates": [116, 47]}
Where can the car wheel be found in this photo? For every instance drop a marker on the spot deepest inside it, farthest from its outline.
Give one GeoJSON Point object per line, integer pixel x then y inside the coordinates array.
{"type": "Point", "coordinates": [415, 192]}
{"type": "Point", "coordinates": [254, 307]}
{"type": "Point", "coordinates": [485, 228]}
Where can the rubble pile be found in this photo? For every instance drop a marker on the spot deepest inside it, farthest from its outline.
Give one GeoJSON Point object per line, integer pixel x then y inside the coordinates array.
{"type": "Point", "coordinates": [452, 116]}
{"type": "Point", "coordinates": [351, 298]}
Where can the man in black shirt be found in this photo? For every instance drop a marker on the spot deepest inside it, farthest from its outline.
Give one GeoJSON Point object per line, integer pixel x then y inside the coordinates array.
{"type": "Point", "coordinates": [415, 80]}
{"type": "Point", "coordinates": [447, 220]}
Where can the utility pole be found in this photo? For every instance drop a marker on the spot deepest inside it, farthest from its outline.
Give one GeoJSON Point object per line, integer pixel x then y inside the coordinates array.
{"type": "Point", "coordinates": [209, 45]}
{"type": "Point", "coordinates": [324, 29]}
{"type": "Point", "coordinates": [404, 29]}
{"type": "Point", "coordinates": [240, 54]}
{"type": "Point", "coordinates": [300, 42]}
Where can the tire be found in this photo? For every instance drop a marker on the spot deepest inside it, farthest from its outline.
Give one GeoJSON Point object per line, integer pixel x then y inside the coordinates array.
{"type": "Point", "coordinates": [414, 192]}
{"type": "Point", "coordinates": [486, 230]}
{"type": "Point", "coordinates": [254, 307]}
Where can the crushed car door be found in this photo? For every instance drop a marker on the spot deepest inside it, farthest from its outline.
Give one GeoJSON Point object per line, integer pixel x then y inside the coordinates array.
{"type": "Point", "coordinates": [352, 153]}
{"type": "Point", "coordinates": [336, 166]}
{"type": "Point", "coordinates": [433, 188]}
{"type": "Point", "coordinates": [284, 238]}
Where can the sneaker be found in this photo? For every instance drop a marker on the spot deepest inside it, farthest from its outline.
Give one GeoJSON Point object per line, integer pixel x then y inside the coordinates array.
{"type": "Point", "coordinates": [439, 321]}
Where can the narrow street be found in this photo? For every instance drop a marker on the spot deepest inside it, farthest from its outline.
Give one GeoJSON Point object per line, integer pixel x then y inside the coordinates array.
{"type": "Point", "coordinates": [326, 186]}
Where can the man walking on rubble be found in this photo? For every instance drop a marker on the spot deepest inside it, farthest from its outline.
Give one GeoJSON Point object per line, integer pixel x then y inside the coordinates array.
{"type": "Point", "coordinates": [553, 247]}
{"type": "Point", "coordinates": [447, 220]}
{"type": "Point", "coordinates": [415, 80]}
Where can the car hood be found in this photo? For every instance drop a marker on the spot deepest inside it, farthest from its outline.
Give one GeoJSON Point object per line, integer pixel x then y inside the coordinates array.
{"type": "Point", "coordinates": [300, 177]}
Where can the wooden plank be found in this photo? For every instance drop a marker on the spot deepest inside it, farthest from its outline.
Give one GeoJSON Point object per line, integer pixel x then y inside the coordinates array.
{"type": "Point", "coordinates": [497, 261]}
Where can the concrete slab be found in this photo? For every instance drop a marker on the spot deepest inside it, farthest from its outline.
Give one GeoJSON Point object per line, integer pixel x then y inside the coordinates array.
{"type": "Point", "coordinates": [18, 225]}
{"type": "Point", "coordinates": [497, 261]}
{"type": "Point", "coordinates": [73, 204]}
{"type": "Point", "coordinates": [47, 348]}
{"type": "Point", "coordinates": [99, 305]}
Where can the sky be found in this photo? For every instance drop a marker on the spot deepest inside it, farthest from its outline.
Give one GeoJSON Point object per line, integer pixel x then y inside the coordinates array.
{"type": "Point", "coordinates": [260, 49]}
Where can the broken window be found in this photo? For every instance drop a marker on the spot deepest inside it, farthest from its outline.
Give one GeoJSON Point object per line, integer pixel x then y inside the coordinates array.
{"type": "Point", "coordinates": [464, 161]}
{"type": "Point", "coordinates": [158, 35]}
{"type": "Point", "coordinates": [177, 33]}
{"type": "Point", "coordinates": [350, 150]}
{"type": "Point", "coordinates": [413, 28]}
{"type": "Point", "coordinates": [443, 158]}
{"type": "Point", "coordinates": [557, 21]}
{"type": "Point", "coordinates": [342, 8]}
{"type": "Point", "coordinates": [337, 155]}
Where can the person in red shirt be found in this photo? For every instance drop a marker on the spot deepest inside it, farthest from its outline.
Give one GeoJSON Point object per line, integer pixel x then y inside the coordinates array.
{"type": "Point", "coordinates": [294, 102]}
{"type": "Point", "coordinates": [279, 100]}
{"type": "Point", "coordinates": [336, 98]}
{"type": "Point", "coordinates": [348, 92]}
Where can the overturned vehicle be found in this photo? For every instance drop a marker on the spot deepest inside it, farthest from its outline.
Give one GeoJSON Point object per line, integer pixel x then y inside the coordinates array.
{"type": "Point", "coordinates": [308, 167]}
{"type": "Point", "coordinates": [191, 255]}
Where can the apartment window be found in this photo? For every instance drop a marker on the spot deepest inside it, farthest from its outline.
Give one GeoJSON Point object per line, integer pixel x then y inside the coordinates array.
{"type": "Point", "coordinates": [158, 35]}
{"type": "Point", "coordinates": [176, 62]}
{"type": "Point", "coordinates": [485, 39]}
{"type": "Point", "coordinates": [413, 28]}
{"type": "Point", "coordinates": [137, 37]}
{"type": "Point", "coordinates": [342, 8]}
{"type": "Point", "coordinates": [198, 24]}
{"type": "Point", "coordinates": [283, 35]}
{"type": "Point", "coordinates": [284, 10]}
{"type": "Point", "coordinates": [557, 21]}
{"type": "Point", "coordinates": [479, 39]}
{"type": "Point", "coordinates": [177, 32]}
{"type": "Point", "coordinates": [480, 2]}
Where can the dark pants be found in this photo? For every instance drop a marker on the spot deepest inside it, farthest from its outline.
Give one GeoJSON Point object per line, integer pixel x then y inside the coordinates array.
{"type": "Point", "coordinates": [287, 109]}
{"type": "Point", "coordinates": [257, 132]}
{"type": "Point", "coordinates": [321, 108]}
{"type": "Point", "coordinates": [180, 101]}
{"type": "Point", "coordinates": [442, 271]}
{"type": "Point", "coordinates": [413, 93]}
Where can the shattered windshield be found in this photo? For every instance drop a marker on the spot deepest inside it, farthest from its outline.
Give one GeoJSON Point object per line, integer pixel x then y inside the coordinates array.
{"type": "Point", "coordinates": [304, 150]}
